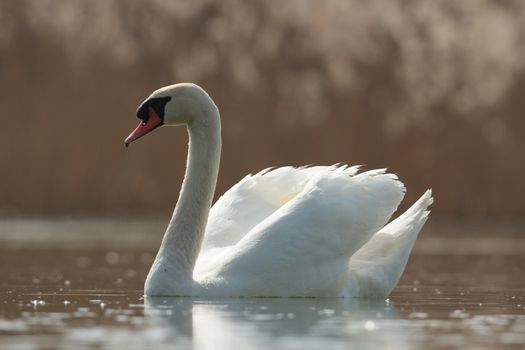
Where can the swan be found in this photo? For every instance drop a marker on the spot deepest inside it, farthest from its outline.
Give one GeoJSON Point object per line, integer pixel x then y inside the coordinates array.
{"type": "Point", "coordinates": [316, 231]}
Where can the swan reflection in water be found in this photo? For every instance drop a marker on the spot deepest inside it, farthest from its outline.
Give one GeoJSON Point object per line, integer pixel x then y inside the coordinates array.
{"type": "Point", "coordinates": [257, 322]}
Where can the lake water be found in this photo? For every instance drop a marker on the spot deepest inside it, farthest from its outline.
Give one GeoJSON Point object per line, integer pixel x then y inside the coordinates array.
{"type": "Point", "coordinates": [77, 284]}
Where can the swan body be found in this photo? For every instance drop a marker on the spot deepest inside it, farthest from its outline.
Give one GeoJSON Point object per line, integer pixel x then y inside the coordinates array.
{"type": "Point", "coordinates": [317, 231]}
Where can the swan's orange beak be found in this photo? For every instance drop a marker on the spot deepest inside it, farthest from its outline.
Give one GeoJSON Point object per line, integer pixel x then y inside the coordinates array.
{"type": "Point", "coordinates": [153, 122]}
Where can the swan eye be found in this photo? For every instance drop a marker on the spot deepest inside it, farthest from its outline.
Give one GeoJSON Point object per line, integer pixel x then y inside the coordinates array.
{"type": "Point", "coordinates": [157, 103]}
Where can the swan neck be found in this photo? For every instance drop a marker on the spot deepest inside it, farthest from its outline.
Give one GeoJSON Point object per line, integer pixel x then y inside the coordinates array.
{"type": "Point", "coordinates": [182, 241]}
{"type": "Point", "coordinates": [190, 217]}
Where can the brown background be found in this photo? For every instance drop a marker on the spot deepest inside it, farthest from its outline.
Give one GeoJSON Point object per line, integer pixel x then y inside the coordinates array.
{"type": "Point", "coordinates": [433, 90]}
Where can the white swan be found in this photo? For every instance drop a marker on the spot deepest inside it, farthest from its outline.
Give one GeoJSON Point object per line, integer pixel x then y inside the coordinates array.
{"type": "Point", "coordinates": [289, 232]}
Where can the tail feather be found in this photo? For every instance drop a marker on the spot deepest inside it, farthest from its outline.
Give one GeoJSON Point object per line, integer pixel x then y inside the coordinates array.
{"type": "Point", "coordinates": [376, 268]}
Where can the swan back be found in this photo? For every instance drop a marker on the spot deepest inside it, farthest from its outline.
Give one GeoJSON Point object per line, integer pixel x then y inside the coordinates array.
{"type": "Point", "coordinates": [302, 248]}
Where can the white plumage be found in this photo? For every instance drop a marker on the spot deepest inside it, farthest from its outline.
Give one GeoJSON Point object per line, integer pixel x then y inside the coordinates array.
{"type": "Point", "coordinates": [291, 232]}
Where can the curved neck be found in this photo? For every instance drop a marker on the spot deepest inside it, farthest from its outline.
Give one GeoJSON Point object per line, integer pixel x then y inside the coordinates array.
{"type": "Point", "coordinates": [182, 240]}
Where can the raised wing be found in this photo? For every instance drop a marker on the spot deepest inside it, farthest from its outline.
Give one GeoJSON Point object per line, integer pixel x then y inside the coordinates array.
{"type": "Point", "coordinates": [303, 247]}
{"type": "Point", "coordinates": [255, 198]}
{"type": "Point", "coordinates": [248, 203]}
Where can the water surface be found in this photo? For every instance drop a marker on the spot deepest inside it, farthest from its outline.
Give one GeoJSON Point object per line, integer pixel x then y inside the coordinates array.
{"type": "Point", "coordinates": [78, 285]}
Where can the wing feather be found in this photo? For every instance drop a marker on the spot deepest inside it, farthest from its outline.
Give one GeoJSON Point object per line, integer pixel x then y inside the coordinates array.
{"type": "Point", "coordinates": [254, 198]}
{"type": "Point", "coordinates": [308, 238]}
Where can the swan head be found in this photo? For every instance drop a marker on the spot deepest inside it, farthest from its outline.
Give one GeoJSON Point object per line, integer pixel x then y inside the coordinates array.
{"type": "Point", "coordinates": [179, 104]}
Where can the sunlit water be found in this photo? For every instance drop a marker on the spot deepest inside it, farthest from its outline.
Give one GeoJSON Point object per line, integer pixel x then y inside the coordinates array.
{"type": "Point", "coordinates": [64, 290]}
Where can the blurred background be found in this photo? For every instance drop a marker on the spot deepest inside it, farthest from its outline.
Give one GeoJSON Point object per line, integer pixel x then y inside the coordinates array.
{"type": "Point", "coordinates": [432, 90]}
